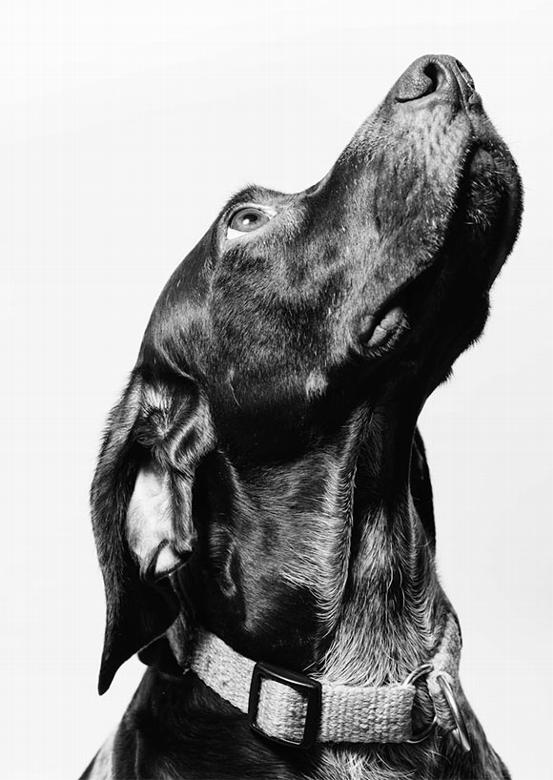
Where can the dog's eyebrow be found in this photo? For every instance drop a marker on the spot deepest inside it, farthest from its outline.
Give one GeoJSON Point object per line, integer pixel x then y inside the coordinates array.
{"type": "Point", "coordinates": [250, 194]}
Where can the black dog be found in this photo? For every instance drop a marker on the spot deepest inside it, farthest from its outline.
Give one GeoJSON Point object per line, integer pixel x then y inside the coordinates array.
{"type": "Point", "coordinates": [262, 477]}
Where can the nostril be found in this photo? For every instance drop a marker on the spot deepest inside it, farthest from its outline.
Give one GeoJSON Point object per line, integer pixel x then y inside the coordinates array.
{"type": "Point", "coordinates": [437, 76]}
{"type": "Point", "coordinates": [422, 79]}
{"type": "Point", "coordinates": [430, 71]}
{"type": "Point", "coordinates": [414, 86]}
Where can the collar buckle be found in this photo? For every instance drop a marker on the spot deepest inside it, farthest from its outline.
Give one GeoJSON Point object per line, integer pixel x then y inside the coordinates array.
{"type": "Point", "coordinates": [310, 689]}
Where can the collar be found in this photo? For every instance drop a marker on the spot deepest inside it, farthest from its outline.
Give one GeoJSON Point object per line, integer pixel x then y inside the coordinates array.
{"type": "Point", "coordinates": [297, 710]}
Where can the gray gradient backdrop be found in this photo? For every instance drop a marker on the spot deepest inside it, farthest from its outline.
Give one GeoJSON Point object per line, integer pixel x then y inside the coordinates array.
{"type": "Point", "coordinates": [124, 128]}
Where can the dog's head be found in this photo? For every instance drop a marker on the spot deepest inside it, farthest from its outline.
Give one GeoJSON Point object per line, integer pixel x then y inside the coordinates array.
{"type": "Point", "coordinates": [292, 312]}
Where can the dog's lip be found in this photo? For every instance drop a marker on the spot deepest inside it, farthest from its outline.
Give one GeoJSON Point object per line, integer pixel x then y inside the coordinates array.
{"type": "Point", "coordinates": [397, 316]}
{"type": "Point", "coordinates": [385, 331]}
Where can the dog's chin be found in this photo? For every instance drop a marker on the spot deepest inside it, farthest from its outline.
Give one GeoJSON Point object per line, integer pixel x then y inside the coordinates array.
{"type": "Point", "coordinates": [482, 231]}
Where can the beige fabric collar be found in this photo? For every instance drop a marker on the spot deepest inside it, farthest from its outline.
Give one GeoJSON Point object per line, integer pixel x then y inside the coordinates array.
{"type": "Point", "coordinates": [298, 710]}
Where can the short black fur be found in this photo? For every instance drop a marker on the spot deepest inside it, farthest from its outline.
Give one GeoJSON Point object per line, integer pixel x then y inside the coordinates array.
{"type": "Point", "coordinates": [270, 427]}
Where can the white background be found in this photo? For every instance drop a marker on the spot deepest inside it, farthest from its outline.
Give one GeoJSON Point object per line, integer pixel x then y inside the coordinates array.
{"type": "Point", "coordinates": [124, 127]}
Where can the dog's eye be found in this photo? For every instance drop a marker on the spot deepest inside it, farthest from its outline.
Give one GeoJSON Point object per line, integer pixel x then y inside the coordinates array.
{"type": "Point", "coordinates": [246, 220]}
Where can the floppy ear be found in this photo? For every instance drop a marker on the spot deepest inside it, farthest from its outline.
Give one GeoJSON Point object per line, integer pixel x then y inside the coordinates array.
{"type": "Point", "coordinates": [141, 499]}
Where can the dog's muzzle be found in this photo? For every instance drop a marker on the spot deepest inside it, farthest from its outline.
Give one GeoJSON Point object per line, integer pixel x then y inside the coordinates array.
{"type": "Point", "coordinates": [296, 710]}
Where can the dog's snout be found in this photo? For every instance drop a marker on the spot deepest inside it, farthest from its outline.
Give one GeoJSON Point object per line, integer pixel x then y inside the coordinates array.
{"type": "Point", "coordinates": [434, 77]}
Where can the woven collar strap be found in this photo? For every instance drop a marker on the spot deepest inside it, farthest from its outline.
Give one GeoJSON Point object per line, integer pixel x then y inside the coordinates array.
{"type": "Point", "coordinates": [297, 710]}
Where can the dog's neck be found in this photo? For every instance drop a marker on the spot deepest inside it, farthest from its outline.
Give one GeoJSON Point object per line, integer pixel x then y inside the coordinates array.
{"type": "Point", "coordinates": [389, 613]}
{"type": "Point", "coordinates": [340, 532]}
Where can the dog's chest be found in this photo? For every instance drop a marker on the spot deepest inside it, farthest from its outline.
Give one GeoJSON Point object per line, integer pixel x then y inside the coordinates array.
{"type": "Point", "coordinates": [342, 766]}
{"type": "Point", "coordinates": [363, 762]}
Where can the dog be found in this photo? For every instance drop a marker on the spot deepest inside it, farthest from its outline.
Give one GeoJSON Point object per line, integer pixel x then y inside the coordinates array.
{"type": "Point", "coordinates": [262, 504]}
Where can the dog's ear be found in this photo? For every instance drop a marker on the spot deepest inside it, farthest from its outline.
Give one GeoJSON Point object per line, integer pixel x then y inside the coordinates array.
{"type": "Point", "coordinates": [141, 499]}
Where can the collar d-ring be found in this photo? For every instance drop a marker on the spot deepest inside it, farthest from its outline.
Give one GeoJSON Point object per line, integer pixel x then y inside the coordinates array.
{"type": "Point", "coordinates": [460, 732]}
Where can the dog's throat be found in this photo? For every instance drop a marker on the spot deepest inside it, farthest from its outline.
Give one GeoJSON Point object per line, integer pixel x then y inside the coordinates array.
{"type": "Point", "coordinates": [387, 620]}
{"type": "Point", "coordinates": [358, 562]}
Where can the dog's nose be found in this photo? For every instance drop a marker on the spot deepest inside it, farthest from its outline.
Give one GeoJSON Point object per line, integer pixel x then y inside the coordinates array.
{"type": "Point", "coordinates": [435, 77]}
